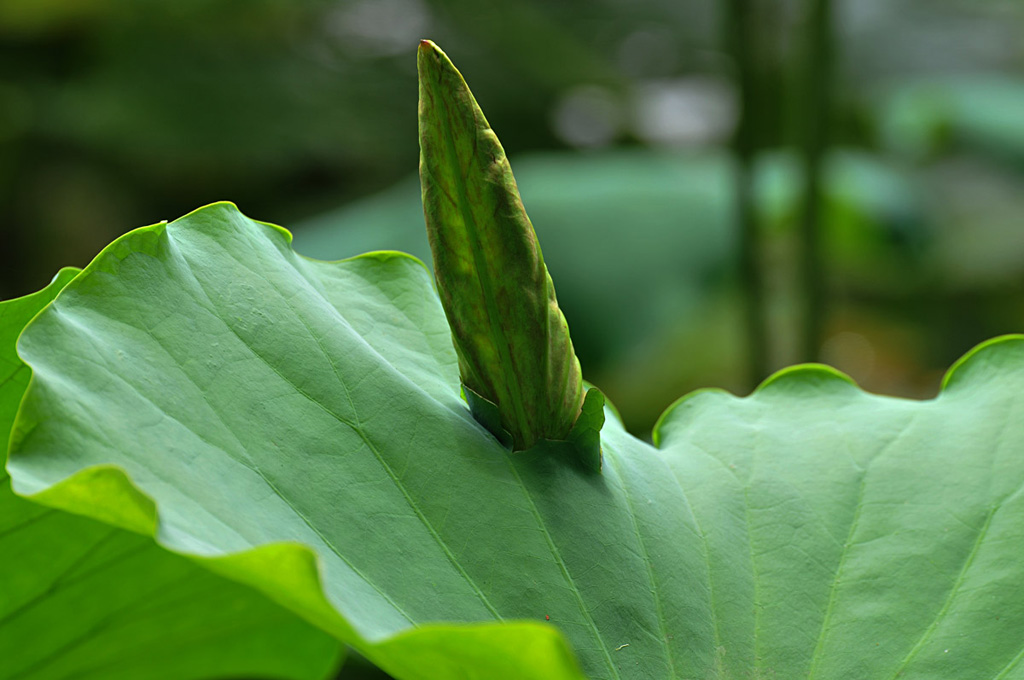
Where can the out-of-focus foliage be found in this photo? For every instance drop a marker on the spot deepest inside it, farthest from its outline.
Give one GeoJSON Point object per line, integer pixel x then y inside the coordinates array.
{"type": "Point", "coordinates": [926, 118]}
{"type": "Point", "coordinates": [111, 112]}
{"type": "Point", "coordinates": [114, 111]}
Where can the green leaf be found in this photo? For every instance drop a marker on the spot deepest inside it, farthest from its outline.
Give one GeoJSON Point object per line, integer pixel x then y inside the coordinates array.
{"type": "Point", "coordinates": [510, 336]}
{"type": "Point", "coordinates": [202, 354]}
{"type": "Point", "coordinates": [14, 374]}
{"type": "Point", "coordinates": [978, 112]}
{"type": "Point", "coordinates": [82, 600]}
{"type": "Point", "coordinates": [265, 402]}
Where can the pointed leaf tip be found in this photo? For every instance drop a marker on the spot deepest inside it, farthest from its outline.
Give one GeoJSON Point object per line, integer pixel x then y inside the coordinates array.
{"type": "Point", "coordinates": [511, 338]}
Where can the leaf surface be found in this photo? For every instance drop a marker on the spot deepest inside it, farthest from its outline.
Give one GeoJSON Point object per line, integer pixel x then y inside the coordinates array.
{"type": "Point", "coordinates": [80, 599]}
{"type": "Point", "coordinates": [266, 402]}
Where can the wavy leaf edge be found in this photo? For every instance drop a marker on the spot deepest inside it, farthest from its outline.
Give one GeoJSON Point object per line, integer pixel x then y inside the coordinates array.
{"type": "Point", "coordinates": [802, 374]}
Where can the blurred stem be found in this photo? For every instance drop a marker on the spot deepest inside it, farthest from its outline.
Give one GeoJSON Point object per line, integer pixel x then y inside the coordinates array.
{"type": "Point", "coordinates": [816, 105]}
{"type": "Point", "coordinates": [740, 35]}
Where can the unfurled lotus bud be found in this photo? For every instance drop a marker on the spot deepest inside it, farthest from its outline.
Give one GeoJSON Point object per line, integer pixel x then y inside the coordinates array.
{"type": "Point", "coordinates": [511, 338]}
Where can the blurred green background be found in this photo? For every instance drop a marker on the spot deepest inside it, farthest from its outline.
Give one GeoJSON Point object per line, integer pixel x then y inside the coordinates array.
{"type": "Point", "coordinates": [854, 168]}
